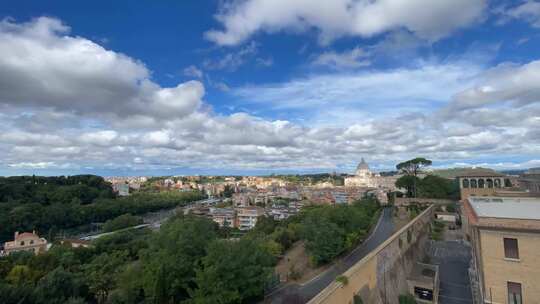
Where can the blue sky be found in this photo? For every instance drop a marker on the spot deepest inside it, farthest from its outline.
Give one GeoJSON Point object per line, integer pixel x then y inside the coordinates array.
{"type": "Point", "coordinates": [262, 86]}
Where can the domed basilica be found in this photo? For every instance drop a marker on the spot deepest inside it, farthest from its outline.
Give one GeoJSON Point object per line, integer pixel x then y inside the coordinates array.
{"type": "Point", "coordinates": [363, 177]}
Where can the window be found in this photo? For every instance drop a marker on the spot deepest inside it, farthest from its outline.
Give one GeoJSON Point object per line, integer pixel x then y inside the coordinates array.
{"type": "Point", "coordinates": [473, 183]}
{"type": "Point", "coordinates": [465, 183]}
{"type": "Point", "coordinates": [514, 293]}
{"type": "Point", "coordinates": [480, 183]}
{"type": "Point", "coordinates": [511, 248]}
{"type": "Point", "coordinates": [489, 183]}
{"type": "Point", "coordinates": [31, 242]}
{"type": "Point", "coordinates": [22, 243]}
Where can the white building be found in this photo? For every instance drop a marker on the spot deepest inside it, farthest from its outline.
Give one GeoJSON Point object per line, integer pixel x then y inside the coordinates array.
{"type": "Point", "coordinates": [363, 177]}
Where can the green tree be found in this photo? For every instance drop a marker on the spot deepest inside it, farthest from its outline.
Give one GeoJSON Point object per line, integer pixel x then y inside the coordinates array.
{"type": "Point", "coordinates": [433, 186]}
{"type": "Point", "coordinates": [324, 239]}
{"type": "Point", "coordinates": [129, 285]}
{"type": "Point", "coordinates": [228, 191]}
{"type": "Point", "coordinates": [100, 274]}
{"type": "Point", "coordinates": [408, 183]}
{"type": "Point", "coordinates": [170, 261]}
{"type": "Point", "coordinates": [122, 221]}
{"type": "Point", "coordinates": [265, 225]}
{"type": "Point", "coordinates": [406, 299]}
{"type": "Point", "coordinates": [20, 275]}
{"type": "Point", "coordinates": [233, 272]}
{"type": "Point", "coordinates": [412, 168]}
{"type": "Point", "coordinates": [57, 287]}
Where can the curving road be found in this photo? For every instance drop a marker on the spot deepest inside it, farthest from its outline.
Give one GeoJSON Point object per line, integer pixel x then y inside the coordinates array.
{"type": "Point", "coordinates": [301, 293]}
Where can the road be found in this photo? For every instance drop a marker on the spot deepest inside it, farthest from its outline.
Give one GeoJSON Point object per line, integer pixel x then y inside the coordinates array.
{"type": "Point", "coordinates": [153, 220]}
{"type": "Point", "coordinates": [301, 293]}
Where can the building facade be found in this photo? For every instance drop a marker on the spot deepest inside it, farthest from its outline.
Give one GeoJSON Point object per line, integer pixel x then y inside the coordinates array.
{"type": "Point", "coordinates": [530, 181]}
{"type": "Point", "coordinates": [247, 217]}
{"type": "Point", "coordinates": [225, 217]}
{"type": "Point", "coordinates": [363, 177]}
{"type": "Point", "coordinates": [505, 238]}
{"type": "Point", "coordinates": [26, 241]}
{"type": "Point", "coordinates": [481, 183]}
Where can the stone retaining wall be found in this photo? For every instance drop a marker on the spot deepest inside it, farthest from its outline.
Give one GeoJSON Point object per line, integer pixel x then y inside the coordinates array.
{"type": "Point", "coordinates": [381, 276]}
{"type": "Point", "coordinates": [404, 201]}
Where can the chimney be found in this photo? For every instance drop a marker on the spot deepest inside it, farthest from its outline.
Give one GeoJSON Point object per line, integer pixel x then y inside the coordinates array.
{"type": "Point", "coordinates": [16, 234]}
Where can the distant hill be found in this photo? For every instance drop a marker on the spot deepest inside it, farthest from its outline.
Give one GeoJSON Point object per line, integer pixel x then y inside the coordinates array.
{"type": "Point", "coordinates": [452, 173]}
{"type": "Point", "coordinates": [514, 172]}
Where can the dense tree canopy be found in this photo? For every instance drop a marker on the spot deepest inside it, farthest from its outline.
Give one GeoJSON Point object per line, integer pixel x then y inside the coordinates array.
{"type": "Point", "coordinates": [50, 204]}
{"type": "Point", "coordinates": [329, 231]}
{"type": "Point", "coordinates": [431, 186]}
{"type": "Point", "coordinates": [233, 272]}
{"type": "Point", "coordinates": [122, 221]}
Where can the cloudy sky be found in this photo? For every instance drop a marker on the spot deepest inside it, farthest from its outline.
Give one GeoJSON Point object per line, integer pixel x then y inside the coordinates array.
{"type": "Point", "coordinates": [262, 86]}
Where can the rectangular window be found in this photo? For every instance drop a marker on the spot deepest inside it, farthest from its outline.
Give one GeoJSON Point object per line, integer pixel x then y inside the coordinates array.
{"type": "Point", "coordinates": [514, 293]}
{"type": "Point", "coordinates": [511, 248]}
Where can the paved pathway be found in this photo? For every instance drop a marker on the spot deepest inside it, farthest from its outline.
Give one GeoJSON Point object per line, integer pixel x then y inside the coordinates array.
{"type": "Point", "coordinates": [296, 293]}
{"type": "Point", "coordinates": [453, 259]}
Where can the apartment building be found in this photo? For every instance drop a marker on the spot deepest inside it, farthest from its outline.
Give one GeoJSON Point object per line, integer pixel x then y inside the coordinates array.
{"type": "Point", "coordinates": [246, 217]}
{"type": "Point", "coordinates": [505, 238]}
{"type": "Point", "coordinates": [225, 217]}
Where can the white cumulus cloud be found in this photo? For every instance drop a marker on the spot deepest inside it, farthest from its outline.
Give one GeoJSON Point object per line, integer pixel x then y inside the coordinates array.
{"type": "Point", "coordinates": [428, 19]}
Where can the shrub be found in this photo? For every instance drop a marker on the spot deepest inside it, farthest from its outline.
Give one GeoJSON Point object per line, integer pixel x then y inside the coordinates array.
{"type": "Point", "coordinates": [406, 299]}
{"type": "Point", "coordinates": [451, 208]}
{"type": "Point", "coordinates": [357, 299]}
{"type": "Point", "coordinates": [294, 274]}
{"type": "Point", "coordinates": [342, 279]}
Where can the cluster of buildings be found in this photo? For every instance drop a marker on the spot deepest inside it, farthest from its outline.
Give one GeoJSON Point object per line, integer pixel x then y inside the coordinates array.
{"type": "Point", "coordinates": [244, 216]}
{"type": "Point", "coordinates": [261, 191]}
{"type": "Point", "coordinates": [501, 220]}
{"type": "Point", "coordinates": [122, 185]}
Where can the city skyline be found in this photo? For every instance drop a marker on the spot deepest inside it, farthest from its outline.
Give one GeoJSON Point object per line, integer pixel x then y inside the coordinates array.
{"type": "Point", "coordinates": [259, 87]}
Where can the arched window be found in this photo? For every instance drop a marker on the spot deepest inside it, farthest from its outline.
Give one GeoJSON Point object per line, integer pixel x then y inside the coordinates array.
{"type": "Point", "coordinates": [473, 183]}
{"type": "Point", "coordinates": [466, 183]}
{"type": "Point", "coordinates": [489, 182]}
{"type": "Point", "coordinates": [497, 183]}
{"type": "Point", "coordinates": [507, 183]}
{"type": "Point", "coordinates": [22, 243]}
{"type": "Point", "coordinates": [481, 183]}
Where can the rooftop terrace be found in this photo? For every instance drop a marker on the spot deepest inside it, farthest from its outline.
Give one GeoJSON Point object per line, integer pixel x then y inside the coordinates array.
{"type": "Point", "coordinates": [527, 208]}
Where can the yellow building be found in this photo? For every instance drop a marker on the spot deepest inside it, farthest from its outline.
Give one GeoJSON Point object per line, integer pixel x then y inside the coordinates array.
{"type": "Point", "coordinates": [505, 237]}
{"type": "Point", "coordinates": [26, 241]}
{"type": "Point", "coordinates": [481, 182]}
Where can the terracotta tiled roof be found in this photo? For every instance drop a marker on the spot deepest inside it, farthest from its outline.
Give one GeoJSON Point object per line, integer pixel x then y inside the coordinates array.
{"type": "Point", "coordinates": [480, 173]}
